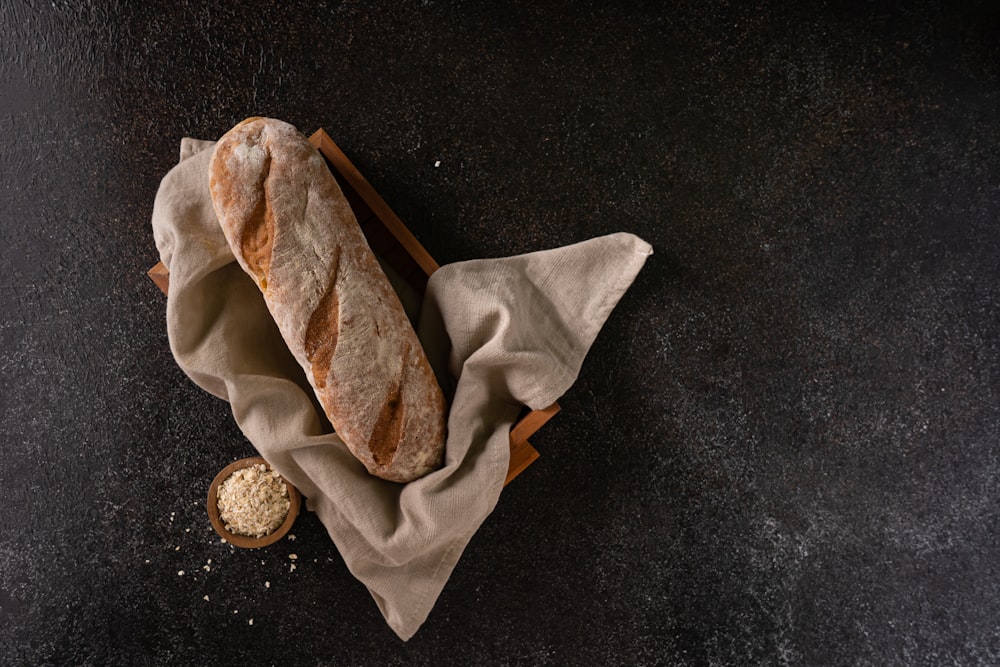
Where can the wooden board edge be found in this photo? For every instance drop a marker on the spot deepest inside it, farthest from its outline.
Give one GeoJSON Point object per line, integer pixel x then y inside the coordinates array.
{"type": "Point", "coordinates": [531, 422]}
{"type": "Point", "coordinates": [331, 151]}
{"type": "Point", "coordinates": [522, 455]}
{"type": "Point", "coordinates": [160, 276]}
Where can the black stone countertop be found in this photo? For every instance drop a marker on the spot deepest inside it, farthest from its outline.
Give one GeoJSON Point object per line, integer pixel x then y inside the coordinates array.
{"type": "Point", "coordinates": [784, 447]}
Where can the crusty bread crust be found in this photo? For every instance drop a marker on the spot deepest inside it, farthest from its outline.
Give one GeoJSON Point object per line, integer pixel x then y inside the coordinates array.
{"type": "Point", "coordinates": [293, 232]}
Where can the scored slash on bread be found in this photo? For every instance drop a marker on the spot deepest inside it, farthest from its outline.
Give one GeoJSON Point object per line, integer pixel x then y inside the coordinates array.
{"type": "Point", "coordinates": [292, 230]}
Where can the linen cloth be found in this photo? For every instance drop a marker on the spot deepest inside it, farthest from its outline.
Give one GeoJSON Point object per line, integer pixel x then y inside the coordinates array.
{"type": "Point", "coordinates": [501, 333]}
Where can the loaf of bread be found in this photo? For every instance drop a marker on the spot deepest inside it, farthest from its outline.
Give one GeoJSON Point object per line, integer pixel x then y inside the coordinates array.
{"type": "Point", "coordinates": [293, 232]}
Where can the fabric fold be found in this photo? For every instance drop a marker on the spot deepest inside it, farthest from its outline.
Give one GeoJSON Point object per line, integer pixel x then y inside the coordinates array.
{"type": "Point", "coordinates": [501, 333]}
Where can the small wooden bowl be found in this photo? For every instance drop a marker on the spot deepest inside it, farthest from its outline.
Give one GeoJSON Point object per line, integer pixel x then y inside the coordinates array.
{"type": "Point", "coordinates": [244, 541]}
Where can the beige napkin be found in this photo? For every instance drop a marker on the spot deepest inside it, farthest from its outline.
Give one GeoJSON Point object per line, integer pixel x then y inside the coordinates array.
{"type": "Point", "coordinates": [502, 333]}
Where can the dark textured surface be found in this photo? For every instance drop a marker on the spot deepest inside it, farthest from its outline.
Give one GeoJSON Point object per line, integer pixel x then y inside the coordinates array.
{"type": "Point", "coordinates": [784, 448]}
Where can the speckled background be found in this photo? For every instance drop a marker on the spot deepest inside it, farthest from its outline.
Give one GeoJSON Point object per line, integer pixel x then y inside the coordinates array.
{"type": "Point", "coordinates": [784, 447]}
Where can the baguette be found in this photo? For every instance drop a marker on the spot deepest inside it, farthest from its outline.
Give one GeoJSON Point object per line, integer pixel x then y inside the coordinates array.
{"type": "Point", "coordinates": [293, 232]}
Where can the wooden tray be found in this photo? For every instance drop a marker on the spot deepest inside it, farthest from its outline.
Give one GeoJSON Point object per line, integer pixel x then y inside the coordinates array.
{"type": "Point", "coordinates": [397, 246]}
